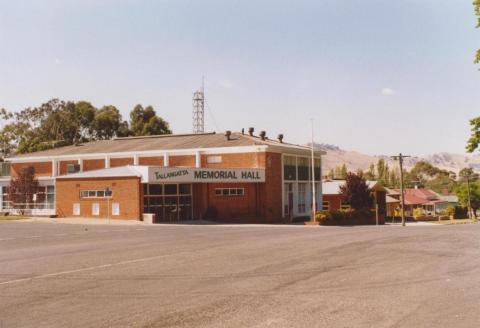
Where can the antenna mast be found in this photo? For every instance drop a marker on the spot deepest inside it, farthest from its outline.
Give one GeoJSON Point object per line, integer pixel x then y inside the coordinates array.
{"type": "Point", "coordinates": [199, 109]}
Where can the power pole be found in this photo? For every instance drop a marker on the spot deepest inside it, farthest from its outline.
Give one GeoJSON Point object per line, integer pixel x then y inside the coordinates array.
{"type": "Point", "coordinates": [400, 158]}
{"type": "Point", "coordinates": [469, 198]}
{"type": "Point", "coordinates": [314, 203]}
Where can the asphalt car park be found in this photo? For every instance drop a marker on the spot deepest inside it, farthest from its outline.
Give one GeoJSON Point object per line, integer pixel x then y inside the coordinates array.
{"type": "Point", "coordinates": [74, 275]}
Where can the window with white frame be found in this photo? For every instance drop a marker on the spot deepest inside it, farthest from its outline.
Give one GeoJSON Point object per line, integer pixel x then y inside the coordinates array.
{"type": "Point", "coordinates": [302, 193]}
{"type": "Point", "coordinates": [326, 205]}
{"type": "Point", "coordinates": [95, 209]}
{"type": "Point", "coordinates": [229, 191]}
{"type": "Point", "coordinates": [344, 205]}
{"type": "Point", "coordinates": [4, 201]}
{"type": "Point", "coordinates": [214, 159]}
{"type": "Point", "coordinates": [289, 168]}
{"type": "Point", "coordinates": [115, 208]}
{"type": "Point", "coordinates": [76, 208]}
{"type": "Point", "coordinates": [95, 193]}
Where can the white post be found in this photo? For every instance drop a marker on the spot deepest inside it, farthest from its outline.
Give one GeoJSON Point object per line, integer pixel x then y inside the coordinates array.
{"type": "Point", "coordinates": [314, 200]}
{"type": "Point", "coordinates": [135, 160]}
{"type": "Point", "coordinates": [54, 168]}
{"type": "Point", "coordinates": [107, 162]}
{"type": "Point", "coordinates": [165, 160]}
{"type": "Point", "coordinates": [80, 162]}
{"type": "Point", "coordinates": [198, 159]}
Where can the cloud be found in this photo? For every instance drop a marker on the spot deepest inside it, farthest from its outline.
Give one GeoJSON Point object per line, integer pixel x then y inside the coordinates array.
{"type": "Point", "coordinates": [57, 60]}
{"type": "Point", "coordinates": [387, 91]}
{"type": "Point", "coordinates": [226, 84]}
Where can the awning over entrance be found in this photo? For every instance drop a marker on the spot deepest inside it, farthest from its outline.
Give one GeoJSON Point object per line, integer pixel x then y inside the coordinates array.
{"type": "Point", "coordinates": [157, 174]}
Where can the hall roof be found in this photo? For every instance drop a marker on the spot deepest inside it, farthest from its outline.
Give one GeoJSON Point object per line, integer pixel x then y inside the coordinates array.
{"type": "Point", "coordinates": [165, 143]}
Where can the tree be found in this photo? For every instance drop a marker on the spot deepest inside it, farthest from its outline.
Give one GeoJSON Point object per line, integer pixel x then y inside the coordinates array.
{"type": "Point", "coordinates": [370, 174]}
{"type": "Point", "coordinates": [331, 174]}
{"type": "Point", "coordinates": [144, 121]}
{"type": "Point", "coordinates": [59, 123]}
{"type": "Point", "coordinates": [356, 192]}
{"type": "Point", "coordinates": [461, 191]}
{"type": "Point", "coordinates": [23, 187]}
{"type": "Point", "coordinates": [343, 171]}
{"type": "Point", "coordinates": [381, 169]}
{"type": "Point", "coordinates": [106, 123]}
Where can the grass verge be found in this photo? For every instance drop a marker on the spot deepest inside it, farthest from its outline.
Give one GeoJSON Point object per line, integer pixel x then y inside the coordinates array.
{"type": "Point", "coordinates": [12, 217]}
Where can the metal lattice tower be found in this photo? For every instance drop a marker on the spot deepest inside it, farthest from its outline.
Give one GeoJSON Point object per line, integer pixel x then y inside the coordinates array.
{"type": "Point", "coordinates": [198, 111]}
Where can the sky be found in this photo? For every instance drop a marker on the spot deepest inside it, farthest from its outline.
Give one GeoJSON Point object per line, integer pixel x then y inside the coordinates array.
{"type": "Point", "coordinates": [376, 76]}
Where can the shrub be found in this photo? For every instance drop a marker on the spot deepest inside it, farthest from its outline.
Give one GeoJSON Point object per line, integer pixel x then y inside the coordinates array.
{"type": "Point", "coordinates": [460, 212]}
{"type": "Point", "coordinates": [450, 210]}
{"type": "Point", "coordinates": [418, 212]}
{"type": "Point", "coordinates": [346, 217]}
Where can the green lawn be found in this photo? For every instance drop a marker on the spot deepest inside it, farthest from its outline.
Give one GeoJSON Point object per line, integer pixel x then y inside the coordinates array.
{"type": "Point", "coordinates": [12, 217]}
{"type": "Point", "coordinates": [459, 221]}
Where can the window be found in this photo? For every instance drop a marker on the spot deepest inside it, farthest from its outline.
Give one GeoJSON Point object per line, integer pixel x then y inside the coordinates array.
{"type": "Point", "coordinates": [4, 203]}
{"type": "Point", "coordinates": [76, 209]}
{"type": "Point", "coordinates": [214, 159]}
{"type": "Point", "coordinates": [73, 168]}
{"type": "Point", "coordinates": [302, 188]}
{"type": "Point", "coordinates": [326, 206]}
{"type": "Point", "coordinates": [171, 189]}
{"type": "Point", "coordinates": [230, 191]}
{"type": "Point", "coordinates": [4, 169]}
{"type": "Point", "coordinates": [185, 189]}
{"type": "Point", "coordinates": [155, 189]}
{"type": "Point", "coordinates": [303, 168]}
{"type": "Point", "coordinates": [289, 168]}
{"type": "Point", "coordinates": [317, 168]}
{"type": "Point", "coordinates": [344, 206]}
{"type": "Point", "coordinates": [95, 209]}
{"type": "Point", "coordinates": [95, 193]}
{"type": "Point", "coordinates": [115, 209]}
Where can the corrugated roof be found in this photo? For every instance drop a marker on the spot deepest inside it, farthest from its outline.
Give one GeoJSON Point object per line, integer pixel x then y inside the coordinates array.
{"type": "Point", "coordinates": [163, 142]}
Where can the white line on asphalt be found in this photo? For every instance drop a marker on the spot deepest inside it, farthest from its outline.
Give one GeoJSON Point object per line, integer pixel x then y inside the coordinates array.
{"type": "Point", "coordinates": [102, 266]}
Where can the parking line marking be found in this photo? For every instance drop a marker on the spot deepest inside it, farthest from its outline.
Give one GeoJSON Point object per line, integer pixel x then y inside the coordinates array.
{"type": "Point", "coordinates": [102, 266]}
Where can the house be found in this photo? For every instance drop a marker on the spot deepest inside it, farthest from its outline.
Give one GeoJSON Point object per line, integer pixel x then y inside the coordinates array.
{"type": "Point", "coordinates": [332, 198]}
{"type": "Point", "coordinates": [426, 199]}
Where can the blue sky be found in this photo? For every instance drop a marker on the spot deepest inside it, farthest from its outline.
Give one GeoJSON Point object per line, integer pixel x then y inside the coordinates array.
{"type": "Point", "coordinates": [377, 76]}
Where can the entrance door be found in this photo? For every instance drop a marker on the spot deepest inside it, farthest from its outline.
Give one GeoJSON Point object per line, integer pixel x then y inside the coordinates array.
{"type": "Point", "coordinates": [169, 202]}
{"type": "Point", "coordinates": [288, 200]}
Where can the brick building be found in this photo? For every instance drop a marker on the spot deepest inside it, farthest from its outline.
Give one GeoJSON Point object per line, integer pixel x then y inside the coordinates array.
{"type": "Point", "coordinates": [233, 177]}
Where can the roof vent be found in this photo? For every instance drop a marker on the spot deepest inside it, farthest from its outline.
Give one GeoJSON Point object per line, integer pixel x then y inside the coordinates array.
{"type": "Point", "coordinates": [243, 131]}
{"type": "Point", "coordinates": [263, 135]}
{"type": "Point", "coordinates": [228, 133]}
{"type": "Point", "coordinates": [250, 131]}
{"type": "Point", "coordinates": [280, 138]}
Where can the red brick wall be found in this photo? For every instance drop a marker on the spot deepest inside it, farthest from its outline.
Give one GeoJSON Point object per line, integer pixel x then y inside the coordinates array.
{"type": "Point", "coordinates": [183, 160]}
{"type": "Point", "coordinates": [245, 160]}
{"type": "Point", "coordinates": [93, 164]}
{"type": "Point", "coordinates": [158, 161]}
{"type": "Point", "coordinates": [271, 190]}
{"type": "Point", "coordinates": [234, 208]}
{"type": "Point", "coordinates": [335, 201]}
{"type": "Point", "coordinates": [114, 162]}
{"type": "Point", "coordinates": [125, 191]}
{"type": "Point", "coordinates": [42, 169]}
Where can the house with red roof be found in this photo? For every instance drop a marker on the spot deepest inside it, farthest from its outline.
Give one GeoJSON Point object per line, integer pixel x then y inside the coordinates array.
{"type": "Point", "coordinates": [431, 202]}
